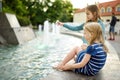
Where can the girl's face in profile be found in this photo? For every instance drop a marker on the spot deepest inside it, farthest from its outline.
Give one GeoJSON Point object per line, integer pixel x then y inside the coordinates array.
{"type": "Point", "coordinates": [87, 35]}
{"type": "Point", "coordinates": [89, 15]}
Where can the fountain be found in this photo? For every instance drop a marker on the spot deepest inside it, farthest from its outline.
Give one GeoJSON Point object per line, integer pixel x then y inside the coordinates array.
{"type": "Point", "coordinates": [40, 27]}
{"type": "Point", "coordinates": [46, 36]}
{"type": "Point", "coordinates": [53, 28]}
{"type": "Point", "coordinates": [30, 61]}
{"type": "Point", "coordinates": [49, 38]}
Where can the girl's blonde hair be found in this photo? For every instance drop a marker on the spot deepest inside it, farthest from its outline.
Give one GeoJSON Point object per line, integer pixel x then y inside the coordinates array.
{"type": "Point", "coordinates": [96, 31]}
{"type": "Point", "coordinates": [95, 11]}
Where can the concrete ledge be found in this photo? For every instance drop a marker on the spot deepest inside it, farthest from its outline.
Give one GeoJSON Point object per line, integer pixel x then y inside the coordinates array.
{"type": "Point", "coordinates": [76, 34]}
{"type": "Point", "coordinates": [110, 71]}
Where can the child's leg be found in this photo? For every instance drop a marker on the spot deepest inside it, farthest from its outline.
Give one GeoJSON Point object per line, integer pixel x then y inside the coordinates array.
{"type": "Point", "coordinates": [113, 35]}
{"type": "Point", "coordinates": [110, 34]}
{"type": "Point", "coordinates": [69, 57]}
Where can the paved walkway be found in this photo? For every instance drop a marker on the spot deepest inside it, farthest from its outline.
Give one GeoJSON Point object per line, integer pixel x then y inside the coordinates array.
{"type": "Point", "coordinates": [116, 44]}
{"type": "Point", "coordinates": [111, 70]}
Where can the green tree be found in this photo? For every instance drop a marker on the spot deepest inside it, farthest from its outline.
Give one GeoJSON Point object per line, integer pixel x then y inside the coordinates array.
{"type": "Point", "coordinates": [18, 8]}
{"type": "Point", "coordinates": [37, 11]}
{"type": "Point", "coordinates": [60, 10]}
{"type": "Point", "coordinates": [68, 11]}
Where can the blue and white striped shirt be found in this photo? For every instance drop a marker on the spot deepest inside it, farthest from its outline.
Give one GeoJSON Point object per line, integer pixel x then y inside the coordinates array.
{"type": "Point", "coordinates": [96, 62]}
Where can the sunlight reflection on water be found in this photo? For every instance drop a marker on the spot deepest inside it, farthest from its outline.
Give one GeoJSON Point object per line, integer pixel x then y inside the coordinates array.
{"type": "Point", "coordinates": [30, 61]}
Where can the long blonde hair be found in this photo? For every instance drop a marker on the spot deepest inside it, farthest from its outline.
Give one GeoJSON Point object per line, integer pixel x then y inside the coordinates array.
{"type": "Point", "coordinates": [96, 31]}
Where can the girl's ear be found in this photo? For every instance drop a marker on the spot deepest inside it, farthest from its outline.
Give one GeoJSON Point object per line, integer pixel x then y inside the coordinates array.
{"type": "Point", "coordinates": [91, 34]}
{"type": "Point", "coordinates": [95, 13]}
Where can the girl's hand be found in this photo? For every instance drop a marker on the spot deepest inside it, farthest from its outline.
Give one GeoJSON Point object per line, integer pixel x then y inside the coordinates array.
{"type": "Point", "coordinates": [84, 46]}
{"type": "Point", "coordinates": [60, 23]}
{"type": "Point", "coordinates": [59, 66]}
{"type": "Point", "coordinates": [67, 67]}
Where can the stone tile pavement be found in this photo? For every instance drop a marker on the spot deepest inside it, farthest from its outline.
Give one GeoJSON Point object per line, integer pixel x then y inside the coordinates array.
{"type": "Point", "coordinates": [115, 44]}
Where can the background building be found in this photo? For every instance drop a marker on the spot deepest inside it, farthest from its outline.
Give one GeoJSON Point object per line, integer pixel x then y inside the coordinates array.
{"type": "Point", "coordinates": [106, 10]}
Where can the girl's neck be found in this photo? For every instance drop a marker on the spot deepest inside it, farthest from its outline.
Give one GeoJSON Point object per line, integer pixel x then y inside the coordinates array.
{"type": "Point", "coordinates": [96, 41]}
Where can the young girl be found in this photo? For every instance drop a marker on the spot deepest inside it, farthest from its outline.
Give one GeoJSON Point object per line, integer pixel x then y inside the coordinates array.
{"type": "Point", "coordinates": [91, 60]}
{"type": "Point", "coordinates": [92, 15]}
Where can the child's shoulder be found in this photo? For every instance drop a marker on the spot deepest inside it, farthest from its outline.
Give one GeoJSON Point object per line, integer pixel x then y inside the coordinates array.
{"type": "Point", "coordinates": [96, 45]}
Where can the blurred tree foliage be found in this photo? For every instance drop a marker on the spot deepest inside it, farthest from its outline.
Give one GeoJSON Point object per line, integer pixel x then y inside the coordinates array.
{"type": "Point", "coordinates": [37, 11]}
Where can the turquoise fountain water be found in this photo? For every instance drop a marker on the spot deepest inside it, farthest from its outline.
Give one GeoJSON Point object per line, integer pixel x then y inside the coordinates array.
{"type": "Point", "coordinates": [30, 61]}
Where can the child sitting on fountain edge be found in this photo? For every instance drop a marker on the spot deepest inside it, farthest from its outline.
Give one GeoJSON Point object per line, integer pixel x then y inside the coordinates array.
{"type": "Point", "coordinates": [91, 60]}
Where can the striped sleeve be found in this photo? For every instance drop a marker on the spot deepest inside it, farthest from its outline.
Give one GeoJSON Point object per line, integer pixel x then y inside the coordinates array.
{"type": "Point", "coordinates": [90, 50]}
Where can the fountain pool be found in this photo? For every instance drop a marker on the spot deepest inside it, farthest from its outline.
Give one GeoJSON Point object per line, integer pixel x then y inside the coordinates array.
{"type": "Point", "coordinates": [30, 61]}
